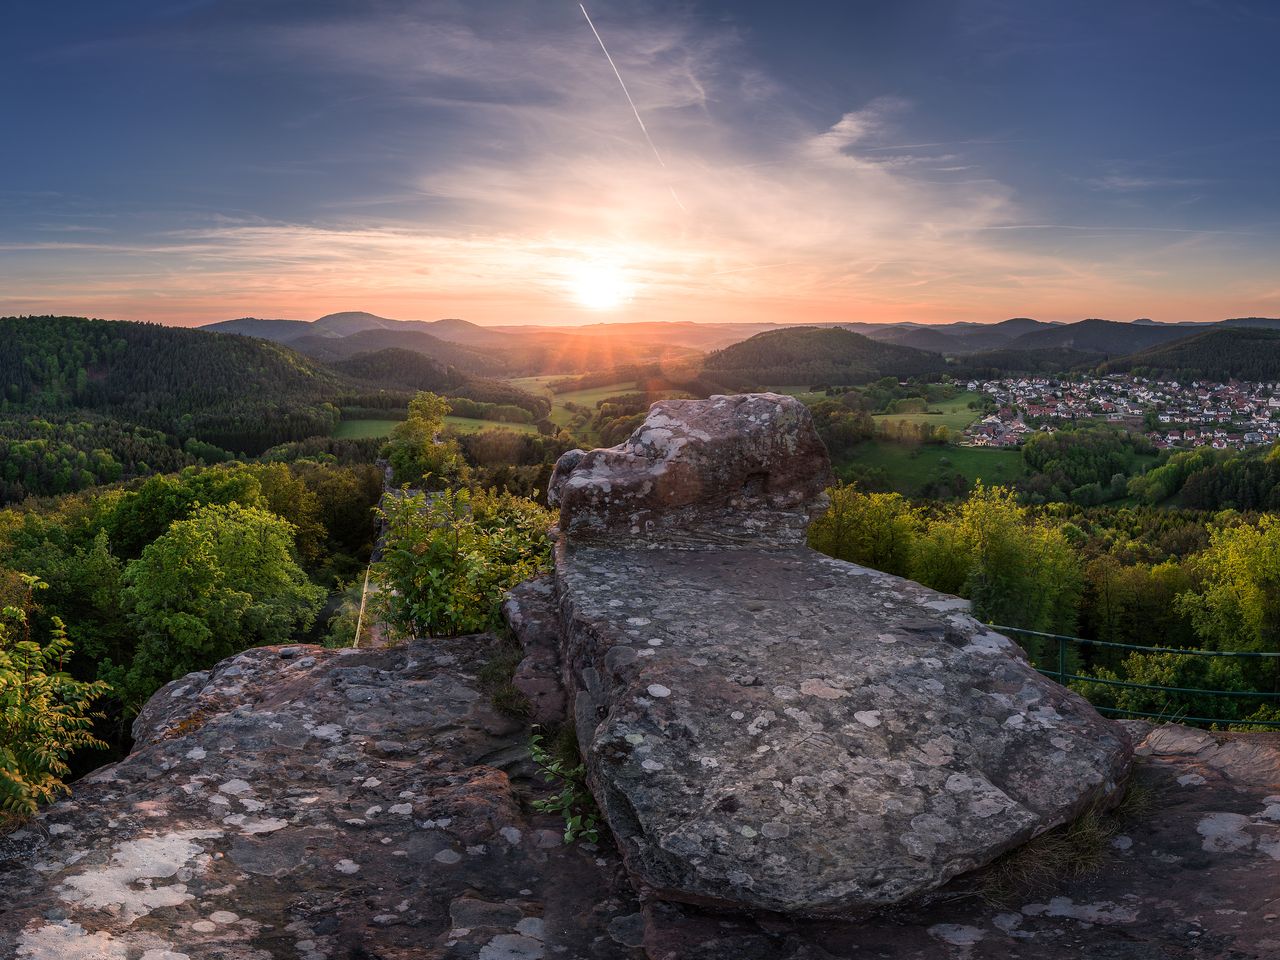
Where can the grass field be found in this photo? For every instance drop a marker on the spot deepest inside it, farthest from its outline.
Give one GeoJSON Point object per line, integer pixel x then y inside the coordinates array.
{"type": "Point", "coordinates": [560, 414]}
{"type": "Point", "coordinates": [953, 414]}
{"type": "Point", "coordinates": [359, 429]}
{"type": "Point", "coordinates": [909, 467]}
{"type": "Point", "coordinates": [472, 425]}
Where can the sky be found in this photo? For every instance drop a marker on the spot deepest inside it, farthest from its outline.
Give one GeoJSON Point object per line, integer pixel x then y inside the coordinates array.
{"type": "Point", "coordinates": [189, 161]}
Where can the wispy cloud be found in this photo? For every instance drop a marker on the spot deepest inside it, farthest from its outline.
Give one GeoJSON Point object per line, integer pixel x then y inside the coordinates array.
{"type": "Point", "coordinates": [518, 160]}
{"type": "Point", "coordinates": [1117, 183]}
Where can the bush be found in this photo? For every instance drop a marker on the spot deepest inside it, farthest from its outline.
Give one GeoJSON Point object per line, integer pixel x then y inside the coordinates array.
{"type": "Point", "coordinates": [45, 715]}
{"type": "Point", "coordinates": [212, 585]}
{"type": "Point", "coordinates": [451, 556]}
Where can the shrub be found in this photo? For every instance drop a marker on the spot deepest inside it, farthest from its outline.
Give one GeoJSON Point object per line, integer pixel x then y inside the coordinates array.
{"type": "Point", "coordinates": [451, 556]}
{"type": "Point", "coordinates": [45, 715]}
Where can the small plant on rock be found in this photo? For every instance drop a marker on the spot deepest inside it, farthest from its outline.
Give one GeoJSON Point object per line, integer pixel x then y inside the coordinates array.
{"type": "Point", "coordinates": [561, 764]}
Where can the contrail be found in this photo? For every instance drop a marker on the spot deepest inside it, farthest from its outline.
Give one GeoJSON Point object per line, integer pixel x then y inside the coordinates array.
{"type": "Point", "coordinates": [623, 84]}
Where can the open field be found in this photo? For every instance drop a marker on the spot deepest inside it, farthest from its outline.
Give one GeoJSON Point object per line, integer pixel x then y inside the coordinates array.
{"type": "Point", "coordinates": [359, 429]}
{"type": "Point", "coordinates": [910, 466]}
{"type": "Point", "coordinates": [954, 414]}
{"type": "Point", "coordinates": [472, 425]}
{"type": "Point", "coordinates": [560, 413]}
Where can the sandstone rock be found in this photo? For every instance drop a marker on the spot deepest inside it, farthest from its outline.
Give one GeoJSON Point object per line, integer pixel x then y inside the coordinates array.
{"type": "Point", "coordinates": [776, 730]}
{"type": "Point", "coordinates": [530, 612]}
{"type": "Point", "coordinates": [769, 729]}
{"type": "Point", "coordinates": [308, 803]}
{"type": "Point", "coordinates": [749, 466]}
{"type": "Point", "coordinates": [1192, 877]}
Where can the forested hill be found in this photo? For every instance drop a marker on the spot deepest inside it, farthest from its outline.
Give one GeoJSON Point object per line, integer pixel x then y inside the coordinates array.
{"type": "Point", "coordinates": [812, 355]}
{"type": "Point", "coordinates": [239, 393]}
{"type": "Point", "coordinates": [1100, 336]}
{"type": "Point", "coordinates": [1223, 353]}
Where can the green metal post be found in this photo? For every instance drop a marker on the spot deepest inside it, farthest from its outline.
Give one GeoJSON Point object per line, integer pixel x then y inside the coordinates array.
{"type": "Point", "coordinates": [1062, 661]}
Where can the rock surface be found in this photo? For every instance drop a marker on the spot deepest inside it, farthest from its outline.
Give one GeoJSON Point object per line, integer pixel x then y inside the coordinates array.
{"type": "Point", "coordinates": [307, 803]}
{"type": "Point", "coordinates": [776, 730]}
{"type": "Point", "coordinates": [749, 466]}
{"type": "Point", "coordinates": [530, 611]}
{"type": "Point", "coordinates": [1193, 876]}
{"type": "Point", "coordinates": [770, 729]}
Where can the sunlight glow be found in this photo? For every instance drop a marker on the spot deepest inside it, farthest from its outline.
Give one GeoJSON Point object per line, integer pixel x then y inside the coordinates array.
{"type": "Point", "coordinates": [599, 286]}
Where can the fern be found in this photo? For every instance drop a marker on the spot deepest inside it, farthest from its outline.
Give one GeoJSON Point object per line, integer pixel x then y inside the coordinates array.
{"type": "Point", "coordinates": [45, 714]}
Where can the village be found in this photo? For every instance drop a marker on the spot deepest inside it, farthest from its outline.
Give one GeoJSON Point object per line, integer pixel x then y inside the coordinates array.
{"type": "Point", "coordinates": [1171, 413]}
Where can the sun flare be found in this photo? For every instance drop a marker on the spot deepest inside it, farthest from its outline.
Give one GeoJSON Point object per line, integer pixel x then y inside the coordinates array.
{"type": "Point", "coordinates": [599, 286]}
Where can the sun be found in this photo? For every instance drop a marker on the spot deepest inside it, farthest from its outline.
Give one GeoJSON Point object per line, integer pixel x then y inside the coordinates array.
{"type": "Point", "coordinates": [599, 286]}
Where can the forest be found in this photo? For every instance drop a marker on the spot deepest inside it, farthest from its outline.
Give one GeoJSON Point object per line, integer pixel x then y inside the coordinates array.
{"type": "Point", "coordinates": [183, 497]}
{"type": "Point", "coordinates": [1140, 576]}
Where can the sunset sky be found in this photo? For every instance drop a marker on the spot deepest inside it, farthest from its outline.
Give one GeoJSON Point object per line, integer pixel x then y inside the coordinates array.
{"type": "Point", "coordinates": [186, 161]}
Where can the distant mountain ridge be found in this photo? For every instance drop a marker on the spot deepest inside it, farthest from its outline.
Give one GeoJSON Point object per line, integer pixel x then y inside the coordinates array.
{"type": "Point", "coordinates": [514, 350]}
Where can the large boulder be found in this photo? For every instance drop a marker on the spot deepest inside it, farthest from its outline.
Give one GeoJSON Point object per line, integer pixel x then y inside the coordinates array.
{"type": "Point", "coordinates": [768, 728]}
{"type": "Point", "coordinates": [747, 467]}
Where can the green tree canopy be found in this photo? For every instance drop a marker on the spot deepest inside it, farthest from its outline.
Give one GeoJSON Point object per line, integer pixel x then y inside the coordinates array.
{"type": "Point", "coordinates": [418, 454]}
{"type": "Point", "coordinates": [216, 583]}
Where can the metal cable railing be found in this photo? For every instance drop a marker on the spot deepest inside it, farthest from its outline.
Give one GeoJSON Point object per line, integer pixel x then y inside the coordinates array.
{"type": "Point", "coordinates": [1065, 677]}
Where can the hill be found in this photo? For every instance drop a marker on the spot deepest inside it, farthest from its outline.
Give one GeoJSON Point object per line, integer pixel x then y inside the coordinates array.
{"type": "Point", "coordinates": [1100, 336]}
{"type": "Point", "coordinates": [285, 331]}
{"type": "Point", "coordinates": [330, 349]}
{"type": "Point", "coordinates": [992, 364]}
{"type": "Point", "coordinates": [409, 371]}
{"type": "Point", "coordinates": [239, 393]}
{"type": "Point", "coordinates": [1220, 353]}
{"type": "Point", "coordinates": [810, 355]}
{"type": "Point", "coordinates": [924, 338]}
{"type": "Point", "coordinates": [281, 331]}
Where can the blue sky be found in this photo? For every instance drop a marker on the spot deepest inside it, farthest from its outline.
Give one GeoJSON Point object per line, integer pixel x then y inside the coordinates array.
{"type": "Point", "coordinates": [915, 160]}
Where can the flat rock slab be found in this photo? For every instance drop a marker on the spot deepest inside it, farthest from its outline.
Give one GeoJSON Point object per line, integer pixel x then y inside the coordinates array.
{"type": "Point", "coordinates": [303, 803]}
{"type": "Point", "coordinates": [1194, 876]}
{"type": "Point", "coordinates": [776, 730]}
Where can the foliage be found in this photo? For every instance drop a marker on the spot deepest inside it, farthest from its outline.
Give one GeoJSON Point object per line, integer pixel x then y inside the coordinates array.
{"type": "Point", "coordinates": [237, 393]}
{"type": "Point", "coordinates": [211, 585]}
{"type": "Point", "coordinates": [1160, 483]}
{"type": "Point", "coordinates": [450, 557]}
{"type": "Point", "coordinates": [497, 677]}
{"type": "Point", "coordinates": [573, 802]}
{"type": "Point", "coordinates": [45, 714]}
{"type": "Point", "coordinates": [1221, 353]}
{"type": "Point", "coordinates": [840, 427]}
{"type": "Point", "coordinates": [53, 454]}
{"type": "Point", "coordinates": [419, 457]}
{"type": "Point", "coordinates": [874, 529]}
{"type": "Point", "coordinates": [1016, 569]}
{"type": "Point", "coordinates": [1247, 481]}
{"type": "Point", "coordinates": [1238, 605]}
{"type": "Point", "coordinates": [1088, 464]}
